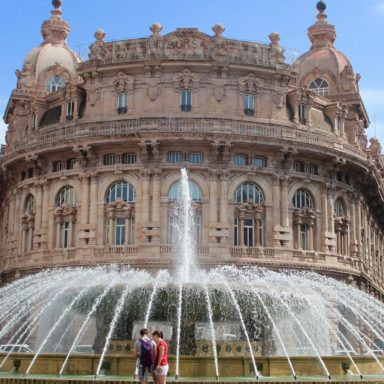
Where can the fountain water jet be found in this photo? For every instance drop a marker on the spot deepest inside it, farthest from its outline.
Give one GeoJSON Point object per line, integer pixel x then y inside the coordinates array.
{"type": "Point", "coordinates": [245, 314]}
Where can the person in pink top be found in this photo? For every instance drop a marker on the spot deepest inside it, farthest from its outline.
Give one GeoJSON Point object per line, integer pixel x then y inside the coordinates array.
{"type": "Point", "coordinates": [161, 361]}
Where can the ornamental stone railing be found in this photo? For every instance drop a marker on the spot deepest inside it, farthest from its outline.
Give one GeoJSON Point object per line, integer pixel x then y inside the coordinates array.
{"type": "Point", "coordinates": [187, 44]}
{"type": "Point", "coordinates": [62, 133]}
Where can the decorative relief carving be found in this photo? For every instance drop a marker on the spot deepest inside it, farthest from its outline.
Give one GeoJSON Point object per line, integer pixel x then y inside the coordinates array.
{"type": "Point", "coordinates": [218, 88]}
{"type": "Point", "coordinates": [123, 82]}
{"type": "Point", "coordinates": [250, 84]}
{"type": "Point", "coordinates": [186, 80]}
{"type": "Point", "coordinates": [153, 88]}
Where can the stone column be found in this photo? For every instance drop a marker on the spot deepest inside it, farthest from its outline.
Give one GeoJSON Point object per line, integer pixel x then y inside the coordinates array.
{"type": "Point", "coordinates": [44, 215]}
{"type": "Point", "coordinates": [310, 237]}
{"type": "Point", "coordinates": [59, 222]}
{"type": "Point", "coordinates": [127, 230]}
{"type": "Point", "coordinates": [30, 236]}
{"type": "Point", "coordinates": [257, 234]}
{"type": "Point", "coordinates": [284, 202]}
{"type": "Point", "coordinates": [145, 197]}
{"type": "Point", "coordinates": [212, 197]}
{"type": "Point", "coordinates": [93, 208]}
{"type": "Point", "coordinates": [224, 198]}
{"type": "Point", "coordinates": [241, 230]}
{"type": "Point", "coordinates": [110, 228]}
{"type": "Point", "coordinates": [276, 201]}
{"type": "Point", "coordinates": [352, 229]}
{"type": "Point", "coordinates": [156, 198]}
{"type": "Point", "coordinates": [84, 198]}
{"type": "Point", "coordinates": [39, 207]}
{"type": "Point", "coordinates": [358, 227]}
{"type": "Point", "coordinates": [70, 233]}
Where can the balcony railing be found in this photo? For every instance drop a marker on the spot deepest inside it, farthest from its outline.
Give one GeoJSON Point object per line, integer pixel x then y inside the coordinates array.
{"type": "Point", "coordinates": [163, 125]}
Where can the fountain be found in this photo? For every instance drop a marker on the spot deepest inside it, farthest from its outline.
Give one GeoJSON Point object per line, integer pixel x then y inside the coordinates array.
{"type": "Point", "coordinates": [246, 323]}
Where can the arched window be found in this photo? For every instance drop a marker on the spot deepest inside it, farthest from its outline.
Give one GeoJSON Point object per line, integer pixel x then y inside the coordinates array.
{"type": "Point", "coordinates": [65, 214]}
{"type": "Point", "coordinates": [302, 199]}
{"type": "Point", "coordinates": [120, 210]}
{"type": "Point", "coordinates": [28, 224]}
{"type": "Point", "coordinates": [54, 83]}
{"type": "Point", "coordinates": [175, 191]}
{"type": "Point", "coordinates": [248, 225]}
{"type": "Point", "coordinates": [66, 196]}
{"type": "Point", "coordinates": [174, 194]}
{"type": "Point", "coordinates": [249, 192]}
{"type": "Point", "coordinates": [339, 207]}
{"type": "Point", "coordinates": [319, 86]}
{"type": "Point", "coordinates": [121, 190]}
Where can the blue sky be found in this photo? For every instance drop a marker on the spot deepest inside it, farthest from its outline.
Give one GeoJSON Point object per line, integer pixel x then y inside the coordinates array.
{"type": "Point", "coordinates": [359, 25]}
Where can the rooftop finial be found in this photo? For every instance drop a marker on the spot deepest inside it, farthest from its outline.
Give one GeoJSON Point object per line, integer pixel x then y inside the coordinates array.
{"type": "Point", "coordinates": [321, 6]}
{"type": "Point", "coordinates": [57, 3]}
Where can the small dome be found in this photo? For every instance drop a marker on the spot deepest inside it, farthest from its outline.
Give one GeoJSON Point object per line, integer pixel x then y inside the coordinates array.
{"type": "Point", "coordinates": [323, 59]}
{"type": "Point", "coordinates": [48, 55]}
{"type": "Point", "coordinates": [327, 59]}
{"type": "Point", "coordinates": [53, 52]}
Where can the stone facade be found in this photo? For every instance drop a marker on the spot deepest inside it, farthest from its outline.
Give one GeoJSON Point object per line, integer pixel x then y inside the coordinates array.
{"type": "Point", "coordinates": [281, 172]}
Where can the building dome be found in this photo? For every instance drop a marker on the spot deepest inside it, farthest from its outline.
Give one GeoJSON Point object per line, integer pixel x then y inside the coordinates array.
{"type": "Point", "coordinates": [324, 61]}
{"type": "Point", "coordinates": [52, 58]}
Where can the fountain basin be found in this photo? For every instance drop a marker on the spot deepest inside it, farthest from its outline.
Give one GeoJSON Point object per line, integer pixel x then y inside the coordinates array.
{"type": "Point", "coordinates": [195, 367]}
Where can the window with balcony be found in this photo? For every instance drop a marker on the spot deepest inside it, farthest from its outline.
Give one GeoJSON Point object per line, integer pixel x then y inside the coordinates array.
{"type": "Point", "coordinates": [249, 105]}
{"type": "Point", "coordinates": [120, 213]}
{"type": "Point", "coordinates": [186, 101]}
{"type": "Point", "coordinates": [65, 217]}
{"type": "Point", "coordinates": [248, 224]}
{"type": "Point", "coordinates": [313, 169]}
{"type": "Point", "coordinates": [122, 102]}
{"type": "Point", "coordinates": [28, 223]}
{"type": "Point", "coordinates": [69, 110]}
{"type": "Point", "coordinates": [302, 113]}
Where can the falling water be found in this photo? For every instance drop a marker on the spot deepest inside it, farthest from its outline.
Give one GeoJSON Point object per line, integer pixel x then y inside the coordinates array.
{"type": "Point", "coordinates": [185, 226]}
{"type": "Point", "coordinates": [281, 313]}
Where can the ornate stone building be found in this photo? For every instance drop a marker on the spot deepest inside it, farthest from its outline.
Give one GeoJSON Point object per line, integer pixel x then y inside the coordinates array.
{"type": "Point", "coordinates": [280, 170]}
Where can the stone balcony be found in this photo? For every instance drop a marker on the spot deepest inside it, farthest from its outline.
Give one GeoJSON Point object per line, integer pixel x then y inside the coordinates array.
{"type": "Point", "coordinates": [65, 134]}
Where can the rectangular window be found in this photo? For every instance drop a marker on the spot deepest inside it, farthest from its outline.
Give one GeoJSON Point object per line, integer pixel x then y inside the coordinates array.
{"type": "Point", "coordinates": [65, 234]}
{"type": "Point", "coordinates": [249, 105]}
{"type": "Point", "coordinates": [313, 169]}
{"type": "Point", "coordinates": [259, 161]}
{"type": "Point", "coordinates": [57, 166]}
{"type": "Point", "coordinates": [186, 101]}
{"type": "Point", "coordinates": [129, 158]}
{"type": "Point", "coordinates": [248, 232]}
{"type": "Point", "coordinates": [195, 157]}
{"type": "Point", "coordinates": [71, 163]}
{"type": "Point", "coordinates": [303, 236]}
{"type": "Point", "coordinates": [110, 159]}
{"type": "Point", "coordinates": [299, 166]}
{"type": "Point", "coordinates": [302, 114]}
{"type": "Point", "coordinates": [33, 120]}
{"type": "Point", "coordinates": [122, 103]}
{"type": "Point", "coordinates": [120, 231]}
{"type": "Point", "coordinates": [240, 159]}
{"type": "Point", "coordinates": [70, 109]}
{"type": "Point", "coordinates": [174, 157]}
